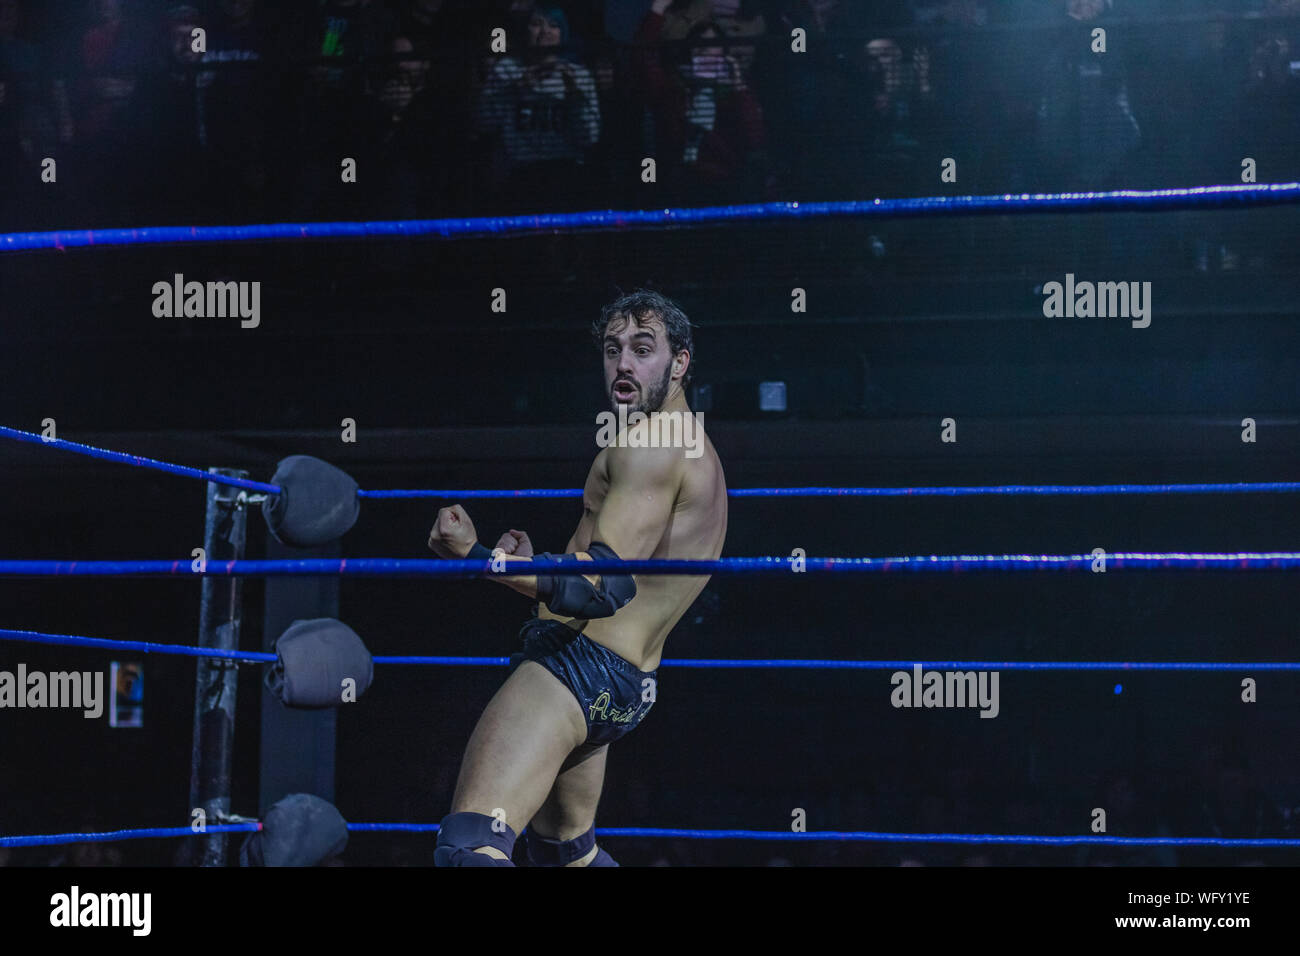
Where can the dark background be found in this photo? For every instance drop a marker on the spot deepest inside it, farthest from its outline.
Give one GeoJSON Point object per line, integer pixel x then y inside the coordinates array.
{"type": "Point", "coordinates": [908, 323]}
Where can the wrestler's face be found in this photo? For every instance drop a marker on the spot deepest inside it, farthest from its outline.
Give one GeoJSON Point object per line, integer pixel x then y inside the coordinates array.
{"type": "Point", "coordinates": [638, 364]}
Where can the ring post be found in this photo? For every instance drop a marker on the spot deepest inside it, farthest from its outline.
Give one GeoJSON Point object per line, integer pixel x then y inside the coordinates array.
{"type": "Point", "coordinates": [224, 533]}
{"type": "Point", "coordinates": [297, 753]}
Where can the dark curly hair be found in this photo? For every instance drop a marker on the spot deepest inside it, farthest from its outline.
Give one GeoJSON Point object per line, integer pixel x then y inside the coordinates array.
{"type": "Point", "coordinates": [644, 304]}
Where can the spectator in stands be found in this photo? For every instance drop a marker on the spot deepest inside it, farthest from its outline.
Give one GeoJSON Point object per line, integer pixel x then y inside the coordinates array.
{"type": "Point", "coordinates": [615, 159]}
{"type": "Point", "coordinates": [513, 15]}
{"type": "Point", "coordinates": [733, 18]}
{"type": "Point", "coordinates": [107, 62]}
{"type": "Point", "coordinates": [346, 28]}
{"type": "Point", "coordinates": [1273, 90]}
{"type": "Point", "coordinates": [111, 53]}
{"type": "Point", "coordinates": [543, 110]}
{"type": "Point", "coordinates": [1086, 130]}
{"type": "Point", "coordinates": [708, 124]}
{"type": "Point", "coordinates": [1266, 119]}
{"type": "Point", "coordinates": [900, 99]}
{"type": "Point", "coordinates": [680, 16]}
{"type": "Point", "coordinates": [741, 18]}
{"type": "Point", "coordinates": [405, 84]}
{"type": "Point", "coordinates": [1178, 73]}
{"type": "Point", "coordinates": [972, 67]}
{"type": "Point", "coordinates": [815, 101]}
{"type": "Point", "coordinates": [329, 108]}
{"type": "Point", "coordinates": [450, 42]}
{"type": "Point", "coordinates": [165, 128]}
{"type": "Point", "coordinates": [23, 120]}
{"type": "Point", "coordinates": [411, 141]}
{"type": "Point", "coordinates": [240, 104]}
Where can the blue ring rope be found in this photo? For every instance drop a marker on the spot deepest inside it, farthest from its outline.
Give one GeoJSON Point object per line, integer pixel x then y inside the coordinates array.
{"type": "Point", "coordinates": [1239, 487]}
{"type": "Point", "coordinates": [137, 460]}
{"type": "Point", "coordinates": [859, 836]}
{"type": "Point", "coordinates": [456, 494]}
{"type": "Point", "coordinates": [426, 568]}
{"type": "Point", "coordinates": [795, 664]}
{"type": "Point", "coordinates": [147, 647]}
{"type": "Point", "coordinates": [875, 836]}
{"type": "Point", "coordinates": [941, 491]}
{"type": "Point", "coordinates": [1262, 194]}
{"type": "Point", "coordinates": [143, 833]}
{"type": "Point", "coordinates": [261, 657]}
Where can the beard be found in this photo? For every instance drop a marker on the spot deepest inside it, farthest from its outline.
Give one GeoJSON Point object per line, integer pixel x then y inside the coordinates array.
{"type": "Point", "coordinates": [651, 401]}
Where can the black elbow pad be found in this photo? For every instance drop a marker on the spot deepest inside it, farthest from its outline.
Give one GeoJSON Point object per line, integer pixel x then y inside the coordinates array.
{"type": "Point", "coordinates": [574, 596]}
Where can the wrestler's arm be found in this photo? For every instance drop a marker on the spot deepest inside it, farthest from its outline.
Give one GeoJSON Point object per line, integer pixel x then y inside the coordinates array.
{"type": "Point", "coordinates": [635, 512]}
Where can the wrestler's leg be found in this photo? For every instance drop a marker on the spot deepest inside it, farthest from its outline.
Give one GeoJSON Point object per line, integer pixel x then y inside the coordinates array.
{"type": "Point", "coordinates": [518, 747]}
{"type": "Point", "coordinates": [570, 808]}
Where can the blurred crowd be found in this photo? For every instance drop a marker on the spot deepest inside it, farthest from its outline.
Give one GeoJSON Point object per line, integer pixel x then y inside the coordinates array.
{"type": "Point", "coordinates": [254, 123]}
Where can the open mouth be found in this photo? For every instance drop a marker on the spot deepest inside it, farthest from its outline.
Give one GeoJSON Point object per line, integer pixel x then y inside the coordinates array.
{"type": "Point", "coordinates": [624, 391]}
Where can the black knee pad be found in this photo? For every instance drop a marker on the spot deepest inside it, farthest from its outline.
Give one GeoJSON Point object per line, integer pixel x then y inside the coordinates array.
{"type": "Point", "coordinates": [542, 851]}
{"type": "Point", "coordinates": [460, 833]}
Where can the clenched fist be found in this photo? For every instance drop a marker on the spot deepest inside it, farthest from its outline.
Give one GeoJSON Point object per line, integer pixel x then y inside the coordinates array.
{"type": "Point", "coordinates": [517, 543]}
{"type": "Point", "coordinates": [453, 533]}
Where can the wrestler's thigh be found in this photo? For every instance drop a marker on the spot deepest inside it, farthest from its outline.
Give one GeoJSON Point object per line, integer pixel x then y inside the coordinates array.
{"type": "Point", "coordinates": [518, 746]}
{"type": "Point", "coordinates": [570, 808]}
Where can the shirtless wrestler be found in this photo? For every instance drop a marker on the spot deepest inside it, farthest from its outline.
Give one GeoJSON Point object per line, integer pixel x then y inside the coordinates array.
{"type": "Point", "coordinates": [588, 671]}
